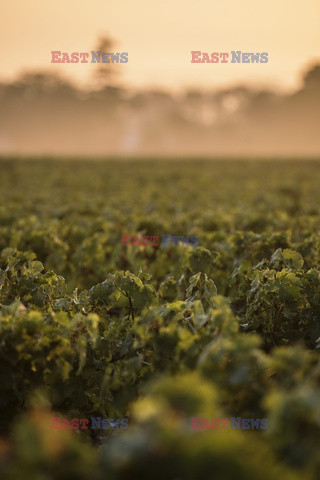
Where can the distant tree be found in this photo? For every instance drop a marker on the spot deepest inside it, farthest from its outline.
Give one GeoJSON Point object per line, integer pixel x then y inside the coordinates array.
{"type": "Point", "coordinates": [106, 74]}
{"type": "Point", "coordinates": [312, 78]}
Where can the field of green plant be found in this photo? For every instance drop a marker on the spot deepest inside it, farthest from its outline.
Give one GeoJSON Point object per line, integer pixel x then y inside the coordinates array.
{"type": "Point", "coordinates": [91, 328]}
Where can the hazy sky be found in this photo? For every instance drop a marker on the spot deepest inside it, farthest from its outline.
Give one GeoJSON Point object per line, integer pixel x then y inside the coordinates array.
{"type": "Point", "coordinates": [160, 35]}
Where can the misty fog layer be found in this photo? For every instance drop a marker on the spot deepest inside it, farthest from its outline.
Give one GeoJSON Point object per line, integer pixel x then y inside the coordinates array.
{"type": "Point", "coordinates": [43, 114]}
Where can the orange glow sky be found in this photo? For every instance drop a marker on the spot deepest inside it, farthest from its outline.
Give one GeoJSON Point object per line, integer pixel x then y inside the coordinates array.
{"type": "Point", "coordinates": [160, 35]}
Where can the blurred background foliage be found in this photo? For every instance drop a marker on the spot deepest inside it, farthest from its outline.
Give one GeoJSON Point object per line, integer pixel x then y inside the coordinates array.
{"type": "Point", "coordinates": [42, 113]}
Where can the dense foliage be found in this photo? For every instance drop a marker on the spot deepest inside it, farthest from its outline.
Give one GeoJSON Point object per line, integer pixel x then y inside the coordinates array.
{"type": "Point", "coordinates": [229, 328]}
